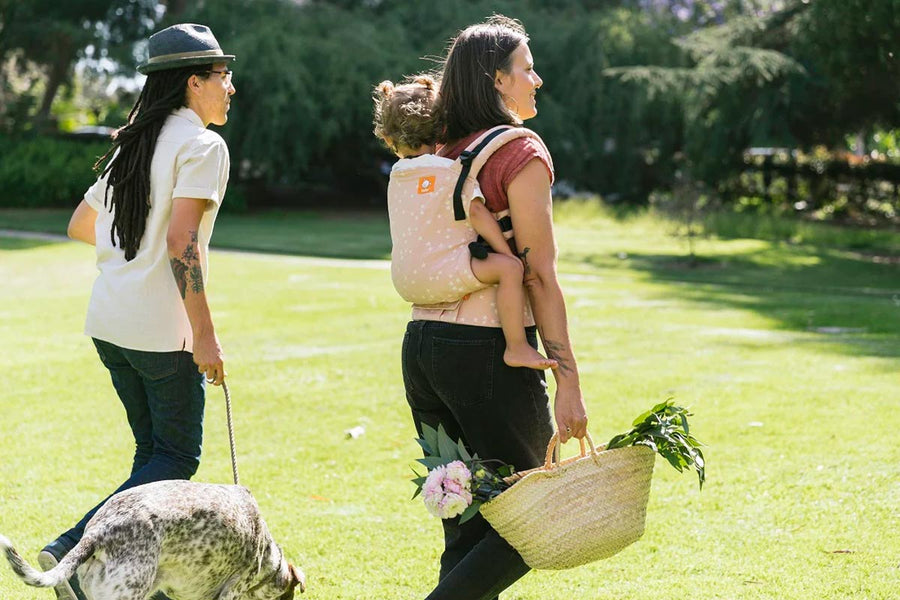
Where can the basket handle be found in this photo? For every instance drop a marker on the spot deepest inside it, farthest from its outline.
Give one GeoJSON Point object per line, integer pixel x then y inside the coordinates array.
{"type": "Point", "coordinates": [554, 446]}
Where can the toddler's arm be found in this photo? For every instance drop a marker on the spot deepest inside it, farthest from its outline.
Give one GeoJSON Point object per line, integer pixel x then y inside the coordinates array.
{"type": "Point", "coordinates": [485, 225]}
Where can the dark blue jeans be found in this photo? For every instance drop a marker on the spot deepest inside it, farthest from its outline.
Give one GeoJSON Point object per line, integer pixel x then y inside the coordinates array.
{"type": "Point", "coordinates": [164, 396]}
{"type": "Point", "coordinates": [455, 376]}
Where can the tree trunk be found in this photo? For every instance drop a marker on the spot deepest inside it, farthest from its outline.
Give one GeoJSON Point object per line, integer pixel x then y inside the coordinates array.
{"type": "Point", "coordinates": [59, 70]}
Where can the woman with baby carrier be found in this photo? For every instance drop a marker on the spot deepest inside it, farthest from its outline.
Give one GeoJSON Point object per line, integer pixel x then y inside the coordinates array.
{"type": "Point", "coordinates": [453, 366]}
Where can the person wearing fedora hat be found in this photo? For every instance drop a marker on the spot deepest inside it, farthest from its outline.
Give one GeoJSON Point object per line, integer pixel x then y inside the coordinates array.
{"type": "Point", "coordinates": [150, 215]}
{"type": "Point", "coordinates": [182, 45]}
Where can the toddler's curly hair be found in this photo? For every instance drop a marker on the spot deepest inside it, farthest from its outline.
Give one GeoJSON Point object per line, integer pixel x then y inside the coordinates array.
{"type": "Point", "coordinates": [405, 113]}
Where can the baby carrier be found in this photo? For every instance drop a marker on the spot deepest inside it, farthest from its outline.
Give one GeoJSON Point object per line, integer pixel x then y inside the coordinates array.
{"type": "Point", "coordinates": [428, 205]}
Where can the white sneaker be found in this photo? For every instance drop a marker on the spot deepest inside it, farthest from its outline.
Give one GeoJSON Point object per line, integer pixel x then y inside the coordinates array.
{"type": "Point", "coordinates": [64, 590]}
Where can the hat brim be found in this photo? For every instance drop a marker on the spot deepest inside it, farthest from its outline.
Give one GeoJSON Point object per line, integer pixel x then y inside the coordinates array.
{"type": "Point", "coordinates": [178, 63]}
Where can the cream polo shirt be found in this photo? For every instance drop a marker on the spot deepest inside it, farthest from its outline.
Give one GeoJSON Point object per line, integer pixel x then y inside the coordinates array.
{"type": "Point", "coordinates": [135, 304]}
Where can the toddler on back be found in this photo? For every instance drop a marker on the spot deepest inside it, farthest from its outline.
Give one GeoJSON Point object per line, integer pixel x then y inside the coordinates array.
{"type": "Point", "coordinates": [440, 267]}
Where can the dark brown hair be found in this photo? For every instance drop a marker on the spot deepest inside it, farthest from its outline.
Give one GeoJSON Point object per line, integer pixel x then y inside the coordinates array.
{"type": "Point", "coordinates": [132, 151]}
{"type": "Point", "coordinates": [405, 113]}
{"type": "Point", "coordinates": [468, 101]}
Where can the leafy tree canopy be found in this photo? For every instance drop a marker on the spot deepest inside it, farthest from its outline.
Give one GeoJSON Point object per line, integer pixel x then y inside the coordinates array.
{"type": "Point", "coordinates": [634, 90]}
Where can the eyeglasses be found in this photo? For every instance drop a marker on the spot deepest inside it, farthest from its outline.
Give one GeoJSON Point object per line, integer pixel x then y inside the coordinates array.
{"type": "Point", "coordinates": [226, 74]}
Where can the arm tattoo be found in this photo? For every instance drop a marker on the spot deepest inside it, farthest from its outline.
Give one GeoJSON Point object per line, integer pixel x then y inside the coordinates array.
{"type": "Point", "coordinates": [524, 256]}
{"type": "Point", "coordinates": [188, 267]}
{"type": "Point", "coordinates": [196, 279]}
{"type": "Point", "coordinates": [189, 254]}
{"type": "Point", "coordinates": [179, 269]}
{"type": "Point", "coordinates": [554, 351]}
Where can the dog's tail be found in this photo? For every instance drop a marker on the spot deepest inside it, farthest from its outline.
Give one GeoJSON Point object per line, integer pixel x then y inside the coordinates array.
{"type": "Point", "coordinates": [44, 579]}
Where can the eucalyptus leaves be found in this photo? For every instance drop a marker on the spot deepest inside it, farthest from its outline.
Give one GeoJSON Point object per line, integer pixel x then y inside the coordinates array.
{"type": "Point", "coordinates": [664, 428]}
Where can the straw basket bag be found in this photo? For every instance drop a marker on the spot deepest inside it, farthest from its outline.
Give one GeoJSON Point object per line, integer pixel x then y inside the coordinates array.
{"type": "Point", "coordinates": [578, 510]}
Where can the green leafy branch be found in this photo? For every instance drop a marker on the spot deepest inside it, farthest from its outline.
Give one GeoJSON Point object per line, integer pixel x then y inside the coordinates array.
{"type": "Point", "coordinates": [664, 428]}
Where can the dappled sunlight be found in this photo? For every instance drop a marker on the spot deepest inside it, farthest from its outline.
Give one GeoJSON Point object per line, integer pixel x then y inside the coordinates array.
{"type": "Point", "coordinates": [837, 296]}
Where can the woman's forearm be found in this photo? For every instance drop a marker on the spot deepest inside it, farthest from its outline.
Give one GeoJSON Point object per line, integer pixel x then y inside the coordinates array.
{"type": "Point", "coordinates": [186, 261]}
{"type": "Point", "coordinates": [532, 216]}
{"type": "Point", "coordinates": [549, 308]}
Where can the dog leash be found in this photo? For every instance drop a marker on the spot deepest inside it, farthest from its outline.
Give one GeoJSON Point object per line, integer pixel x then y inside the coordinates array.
{"type": "Point", "coordinates": [234, 469]}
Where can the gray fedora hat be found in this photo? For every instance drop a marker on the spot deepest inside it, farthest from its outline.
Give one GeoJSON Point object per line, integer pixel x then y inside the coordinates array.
{"type": "Point", "coordinates": [182, 45]}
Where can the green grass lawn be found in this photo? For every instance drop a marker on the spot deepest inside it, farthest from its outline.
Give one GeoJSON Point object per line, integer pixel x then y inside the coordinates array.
{"type": "Point", "coordinates": [788, 353]}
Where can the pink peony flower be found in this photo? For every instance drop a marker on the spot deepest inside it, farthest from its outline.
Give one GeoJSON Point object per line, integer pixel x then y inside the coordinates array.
{"type": "Point", "coordinates": [435, 481]}
{"type": "Point", "coordinates": [446, 490]}
{"type": "Point", "coordinates": [457, 471]}
{"type": "Point", "coordinates": [453, 505]}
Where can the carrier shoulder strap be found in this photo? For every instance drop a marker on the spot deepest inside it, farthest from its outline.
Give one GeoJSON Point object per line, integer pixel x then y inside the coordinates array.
{"type": "Point", "coordinates": [473, 158]}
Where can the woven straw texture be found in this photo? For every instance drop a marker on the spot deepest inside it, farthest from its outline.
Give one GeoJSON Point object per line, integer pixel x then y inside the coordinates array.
{"type": "Point", "coordinates": [577, 511]}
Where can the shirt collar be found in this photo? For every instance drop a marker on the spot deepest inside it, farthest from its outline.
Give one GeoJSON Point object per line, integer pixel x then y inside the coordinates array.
{"type": "Point", "coordinates": [187, 113]}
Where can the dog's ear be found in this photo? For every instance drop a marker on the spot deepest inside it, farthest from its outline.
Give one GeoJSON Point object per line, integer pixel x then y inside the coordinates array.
{"type": "Point", "coordinates": [297, 578]}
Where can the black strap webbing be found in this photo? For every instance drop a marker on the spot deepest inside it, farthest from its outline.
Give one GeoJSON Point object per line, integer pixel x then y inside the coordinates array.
{"type": "Point", "coordinates": [466, 159]}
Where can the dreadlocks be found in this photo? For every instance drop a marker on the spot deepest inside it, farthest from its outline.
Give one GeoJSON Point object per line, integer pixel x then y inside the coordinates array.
{"type": "Point", "coordinates": [132, 151]}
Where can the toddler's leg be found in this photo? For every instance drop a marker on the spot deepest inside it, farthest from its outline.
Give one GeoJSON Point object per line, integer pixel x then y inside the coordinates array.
{"type": "Point", "coordinates": [507, 272]}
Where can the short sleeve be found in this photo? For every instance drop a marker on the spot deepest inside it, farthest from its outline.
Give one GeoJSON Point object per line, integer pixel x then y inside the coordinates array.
{"type": "Point", "coordinates": [95, 196]}
{"type": "Point", "coordinates": [503, 166]}
{"type": "Point", "coordinates": [202, 170]}
{"type": "Point", "coordinates": [518, 153]}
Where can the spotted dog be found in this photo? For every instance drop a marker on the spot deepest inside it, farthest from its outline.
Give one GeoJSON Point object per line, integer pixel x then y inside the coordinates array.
{"type": "Point", "coordinates": [191, 541]}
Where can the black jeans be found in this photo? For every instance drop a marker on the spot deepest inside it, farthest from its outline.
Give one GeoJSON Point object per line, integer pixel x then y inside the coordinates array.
{"type": "Point", "coordinates": [455, 376]}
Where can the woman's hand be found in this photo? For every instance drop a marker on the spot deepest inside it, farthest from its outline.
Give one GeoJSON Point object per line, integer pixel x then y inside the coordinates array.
{"type": "Point", "coordinates": [571, 414]}
{"type": "Point", "coordinates": [209, 358]}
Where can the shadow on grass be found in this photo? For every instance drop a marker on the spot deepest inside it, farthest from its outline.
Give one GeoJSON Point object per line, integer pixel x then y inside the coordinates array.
{"type": "Point", "coordinates": [353, 235]}
{"type": "Point", "coordinates": [24, 243]}
{"type": "Point", "coordinates": [876, 241]}
{"type": "Point", "coordinates": [328, 234]}
{"type": "Point", "coordinates": [847, 298]}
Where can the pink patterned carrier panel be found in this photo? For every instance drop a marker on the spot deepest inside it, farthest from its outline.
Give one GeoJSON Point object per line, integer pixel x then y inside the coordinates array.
{"type": "Point", "coordinates": [430, 258]}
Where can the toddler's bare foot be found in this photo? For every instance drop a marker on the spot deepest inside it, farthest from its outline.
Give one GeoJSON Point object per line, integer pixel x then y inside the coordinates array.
{"type": "Point", "coordinates": [526, 356]}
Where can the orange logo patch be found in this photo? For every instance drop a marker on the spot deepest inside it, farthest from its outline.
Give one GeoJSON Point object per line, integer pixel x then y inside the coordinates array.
{"type": "Point", "coordinates": [426, 185]}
